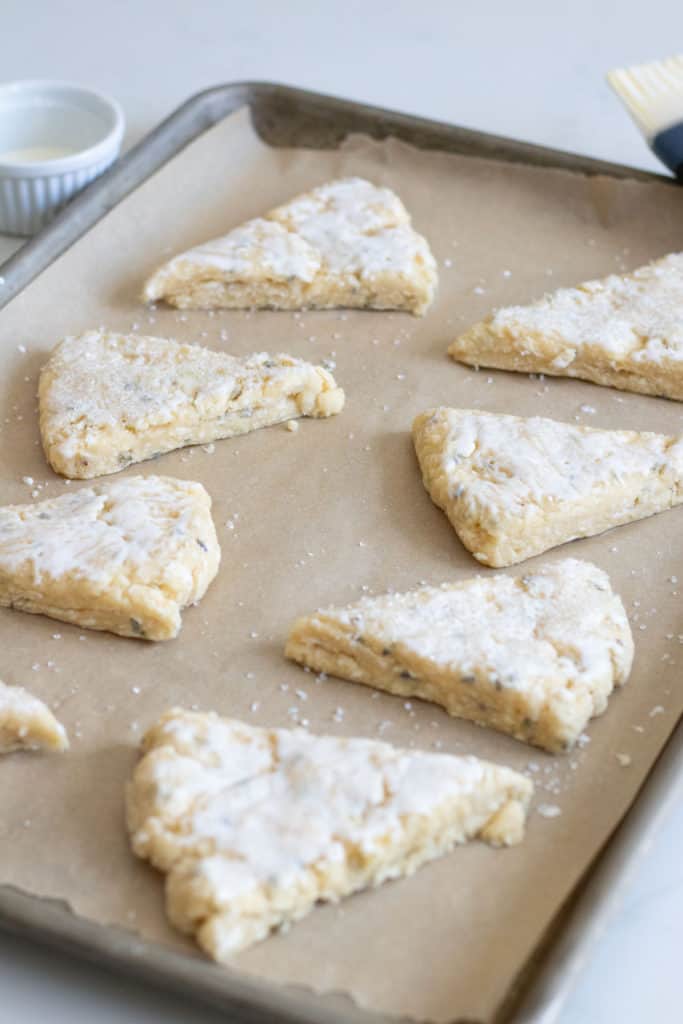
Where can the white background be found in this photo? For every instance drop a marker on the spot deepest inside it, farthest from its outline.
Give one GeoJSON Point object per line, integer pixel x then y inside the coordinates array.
{"type": "Point", "coordinates": [533, 69]}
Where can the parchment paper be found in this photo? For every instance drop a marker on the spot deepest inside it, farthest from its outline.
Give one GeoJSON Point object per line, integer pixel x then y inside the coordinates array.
{"type": "Point", "coordinates": [319, 516]}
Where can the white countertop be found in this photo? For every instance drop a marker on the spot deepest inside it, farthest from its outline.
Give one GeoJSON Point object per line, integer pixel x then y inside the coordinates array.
{"type": "Point", "coordinates": [525, 69]}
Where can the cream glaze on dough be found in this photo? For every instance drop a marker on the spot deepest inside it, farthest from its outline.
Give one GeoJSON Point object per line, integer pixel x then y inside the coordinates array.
{"type": "Point", "coordinates": [124, 556]}
{"type": "Point", "coordinates": [515, 487]}
{"type": "Point", "coordinates": [534, 656]}
{"type": "Point", "coordinates": [346, 243]}
{"type": "Point", "coordinates": [623, 331]}
{"type": "Point", "coordinates": [254, 826]}
{"type": "Point", "coordinates": [26, 723]}
{"type": "Point", "coordinates": [108, 400]}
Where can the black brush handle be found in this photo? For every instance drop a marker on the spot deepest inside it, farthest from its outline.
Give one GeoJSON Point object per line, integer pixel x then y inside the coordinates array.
{"type": "Point", "coordinates": [668, 145]}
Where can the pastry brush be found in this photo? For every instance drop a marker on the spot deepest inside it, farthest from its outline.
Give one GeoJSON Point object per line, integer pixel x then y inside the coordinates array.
{"type": "Point", "coordinates": [653, 95]}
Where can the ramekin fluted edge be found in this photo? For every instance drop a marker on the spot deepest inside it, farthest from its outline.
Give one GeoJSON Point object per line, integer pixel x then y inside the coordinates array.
{"type": "Point", "coordinates": [55, 115]}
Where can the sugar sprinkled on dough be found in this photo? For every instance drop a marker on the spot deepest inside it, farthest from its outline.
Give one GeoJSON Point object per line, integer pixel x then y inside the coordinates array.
{"type": "Point", "coordinates": [535, 655]}
{"type": "Point", "coordinates": [108, 400]}
{"type": "Point", "coordinates": [513, 487]}
{"type": "Point", "coordinates": [345, 243]}
{"type": "Point", "coordinates": [621, 331]}
{"type": "Point", "coordinates": [255, 825]}
{"type": "Point", "coordinates": [125, 555]}
{"type": "Point", "coordinates": [26, 723]}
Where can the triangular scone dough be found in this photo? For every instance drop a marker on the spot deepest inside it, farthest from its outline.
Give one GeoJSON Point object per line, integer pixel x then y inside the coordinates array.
{"type": "Point", "coordinates": [347, 243]}
{"type": "Point", "coordinates": [254, 826]}
{"type": "Point", "coordinates": [28, 724]}
{"type": "Point", "coordinates": [622, 331]}
{"type": "Point", "coordinates": [108, 400]}
{"type": "Point", "coordinates": [125, 556]}
{"type": "Point", "coordinates": [534, 656]}
{"type": "Point", "coordinates": [514, 487]}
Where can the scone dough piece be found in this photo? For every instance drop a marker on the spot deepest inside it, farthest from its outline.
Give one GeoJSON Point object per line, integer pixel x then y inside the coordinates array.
{"type": "Point", "coordinates": [624, 331]}
{"type": "Point", "coordinates": [28, 724]}
{"type": "Point", "coordinates": [125, 556]}
{"type": "Point", "coordinates": [534, 656]}
{"type": "Point", "coordinates": [347, 243]}
{"type": "Point", "coordinates": [254, 826]}
{"type": "Point", "coordinates": [514, 487]}
{"type": "Point", "coordinates": [108, 400]}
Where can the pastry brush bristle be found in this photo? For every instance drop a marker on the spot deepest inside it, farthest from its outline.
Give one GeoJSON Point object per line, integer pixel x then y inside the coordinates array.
{"type": "Point", "coordinates": [652, 93]}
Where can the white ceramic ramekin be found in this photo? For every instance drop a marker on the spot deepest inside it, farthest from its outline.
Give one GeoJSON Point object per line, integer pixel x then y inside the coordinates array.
{"type": "Point", "coordinates": [77, 131]}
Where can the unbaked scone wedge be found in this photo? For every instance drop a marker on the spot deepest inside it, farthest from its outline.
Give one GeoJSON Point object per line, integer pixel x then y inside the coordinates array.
{"type": "Point", "coordinates": [624, 331]}
{"type": "Point", "coordinates": [254, 826]}
{"type": "Point", "coordinates": [346, 243]}
{"type": "Point", "coordinates": [125, 556]}
{"type": "Point", "coordinates": [26, 723]}
{"type": "Point", "coordinates": [514, 487]}
{"type": "Point", "coordinates": [108, 400]}
{"type": "Point", "coordinates": [534, 656]}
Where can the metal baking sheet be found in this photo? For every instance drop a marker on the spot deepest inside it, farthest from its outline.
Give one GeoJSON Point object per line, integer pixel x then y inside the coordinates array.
{"type": "Point", "coordinates": [293, 118]}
